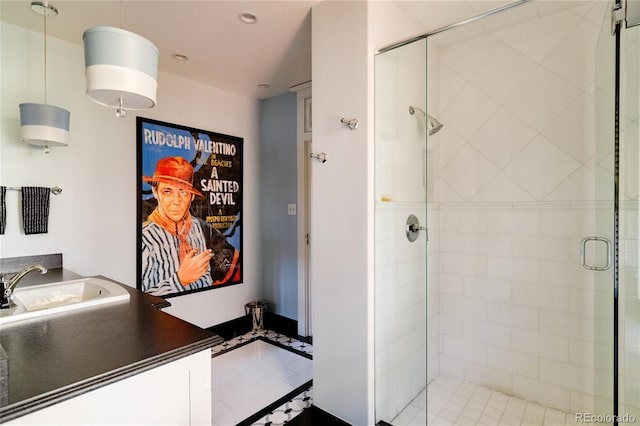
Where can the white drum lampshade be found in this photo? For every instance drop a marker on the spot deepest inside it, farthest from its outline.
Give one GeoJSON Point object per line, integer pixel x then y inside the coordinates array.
{"type": "Point", "coordinates": [121, 68]}
{"type": "Point", "coordinates": [44, 125]}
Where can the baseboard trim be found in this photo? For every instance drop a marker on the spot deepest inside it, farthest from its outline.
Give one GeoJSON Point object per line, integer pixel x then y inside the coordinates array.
{"type": "Point", "coordinates": [274, 322]}
{"type": "Point", "coordinates": [233, 328]}
{"type": "Point", "coordinates": [313, 416]}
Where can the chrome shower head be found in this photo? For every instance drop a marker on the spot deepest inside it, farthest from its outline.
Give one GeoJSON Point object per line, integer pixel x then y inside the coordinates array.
{"type": "Point", "coordinates": [434, 124]}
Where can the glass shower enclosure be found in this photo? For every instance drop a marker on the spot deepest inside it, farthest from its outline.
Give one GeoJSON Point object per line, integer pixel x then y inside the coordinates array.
{"type": "Point", "coordinates": [400, 242]}
{"type": "Point", "coordinates": [512, 140]}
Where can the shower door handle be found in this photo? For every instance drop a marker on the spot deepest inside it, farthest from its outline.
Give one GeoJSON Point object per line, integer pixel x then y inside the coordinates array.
{"type": "Point", "coordinates": [583, 250]}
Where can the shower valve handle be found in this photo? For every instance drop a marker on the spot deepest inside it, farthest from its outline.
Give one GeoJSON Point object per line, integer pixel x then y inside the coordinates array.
{"type": "Point", "coordinates": [416, 228]}
{"type": "Point", "coordinates": [413, 228]}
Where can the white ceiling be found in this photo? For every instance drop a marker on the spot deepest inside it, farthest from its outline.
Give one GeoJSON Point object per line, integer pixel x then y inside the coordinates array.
{"type": "Point", "coordinates": [224, 52]}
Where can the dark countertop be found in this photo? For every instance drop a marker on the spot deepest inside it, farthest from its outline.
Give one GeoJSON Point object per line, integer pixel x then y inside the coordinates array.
{"type": "Point", "coordinates": [58, 357]}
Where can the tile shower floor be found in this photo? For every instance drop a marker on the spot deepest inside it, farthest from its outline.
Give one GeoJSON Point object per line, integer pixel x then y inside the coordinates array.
{"type": "Point", "coordinates": [256, 370]}
{"type": "Point", "coordinates": [415, 413]}
{"type": "Point", "coordinates": [456, 402]}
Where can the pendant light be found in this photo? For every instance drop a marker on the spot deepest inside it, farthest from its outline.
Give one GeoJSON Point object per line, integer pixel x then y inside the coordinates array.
{"type": "Point", "coordinates": [42, 124]}
{"type": "Point", "coordinates": [121, 68]}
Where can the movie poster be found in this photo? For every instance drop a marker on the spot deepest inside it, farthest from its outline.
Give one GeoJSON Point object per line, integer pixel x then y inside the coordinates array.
{"type": "Point", "coordinates": [189, 209]}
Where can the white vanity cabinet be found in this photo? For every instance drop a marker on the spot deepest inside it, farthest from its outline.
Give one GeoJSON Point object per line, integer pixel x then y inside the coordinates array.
{"type": "Point", "coordinates": [176, 393]}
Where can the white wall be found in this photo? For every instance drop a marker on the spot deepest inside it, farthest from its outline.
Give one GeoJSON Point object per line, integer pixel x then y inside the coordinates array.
{"type": "Point", "coordinates": [345, 36]}
{"type": "Point", "coordinates": [93, 222]}
{"type": "Point", "coordinates": [341, 213]}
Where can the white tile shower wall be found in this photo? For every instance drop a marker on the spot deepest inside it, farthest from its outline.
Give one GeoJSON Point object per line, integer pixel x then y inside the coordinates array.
{"type": "Point", "coordinates": [506, 323]}
{"type": "Point", "coordinates": [401, 324]}
{"type": "Point", "coordinates": [400, 136]}
{"type": "Point", "coordinates": [515, 195]}
{"type": "Point", "coordinates": [630, 308]}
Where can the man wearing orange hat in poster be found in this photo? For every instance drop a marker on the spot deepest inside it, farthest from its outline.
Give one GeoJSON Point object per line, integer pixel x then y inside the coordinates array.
{"type": "Point", "coordinates": [175, 257]}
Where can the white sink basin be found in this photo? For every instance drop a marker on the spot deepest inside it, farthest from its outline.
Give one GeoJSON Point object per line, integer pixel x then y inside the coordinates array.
{"type": "Point", "coordinates": [64, 296]}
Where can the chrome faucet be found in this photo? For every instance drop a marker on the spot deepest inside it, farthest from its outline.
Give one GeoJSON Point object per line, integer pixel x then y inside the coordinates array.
{"type": "Point", "coordinates": [7, 287]}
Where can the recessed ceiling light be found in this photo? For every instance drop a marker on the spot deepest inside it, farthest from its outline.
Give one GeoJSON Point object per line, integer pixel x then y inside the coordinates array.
{"type": "Point", "coordinates": [248, 18]}
{"type": "Point", "coordinates": [180, 57]}
{"type": "Point", "coordinates": [264, 86]}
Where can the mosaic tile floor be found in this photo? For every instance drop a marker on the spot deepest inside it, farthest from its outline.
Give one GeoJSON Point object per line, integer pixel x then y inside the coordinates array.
{"type": "Point", "coordinates": [288, 411]}
{"type": "Point", "coordinates": [254, 377]}
{"type": "Point", "coordinates": [290, 342]}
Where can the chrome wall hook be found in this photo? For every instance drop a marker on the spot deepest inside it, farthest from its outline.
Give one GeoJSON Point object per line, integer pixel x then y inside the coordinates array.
{"type": "Point", "coordinates": [353, 123]}
{"type": "Point", "coordinates": [322, 157]}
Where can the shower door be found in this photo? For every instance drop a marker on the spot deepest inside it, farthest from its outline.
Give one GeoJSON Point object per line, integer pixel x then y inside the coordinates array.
{"type": "Point", "coordinates": [400, 253]}
{"type": "Point", "coordinates": [629, 229]}
{"type": "Point", "coordinates": [597, 248]}
{"type": "Point", "coordinates": [523, 179]}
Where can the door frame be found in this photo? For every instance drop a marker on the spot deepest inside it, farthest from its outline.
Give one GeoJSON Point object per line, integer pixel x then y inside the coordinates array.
{"type": "Point", "coordinates": [303, 144]}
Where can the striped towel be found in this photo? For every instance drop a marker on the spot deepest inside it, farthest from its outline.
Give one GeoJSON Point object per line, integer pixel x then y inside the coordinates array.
{"type": "Point", "coordinates": [35, 209]}
{"type": "Point", "coordinates": [3, 209]}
